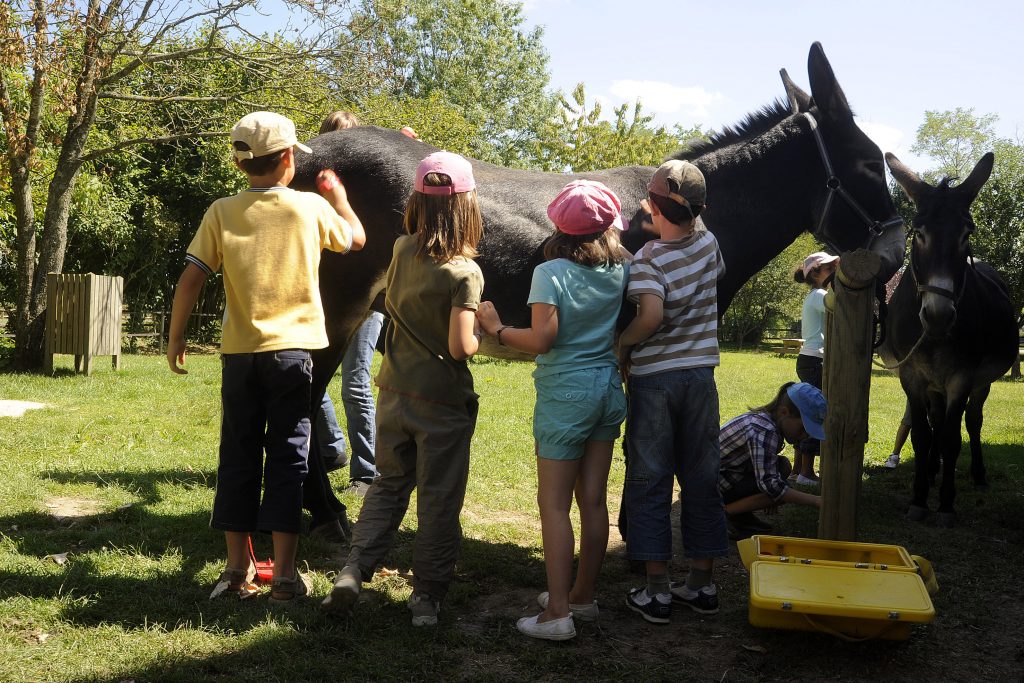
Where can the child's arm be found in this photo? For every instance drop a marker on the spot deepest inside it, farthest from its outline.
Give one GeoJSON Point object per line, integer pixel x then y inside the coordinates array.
{"type": "Point", "coordinates": [463, 337]}
{"type": "Point", "coordinates": [759, 501]}
{"type": "Point", "coordinates": [536, 339]}
{"type": "Point", "coordinates": [190, 284]}
{"type": "Point", "coordinates": [650, 313]}
{"type": "Point", "coordinates": [333, 191]}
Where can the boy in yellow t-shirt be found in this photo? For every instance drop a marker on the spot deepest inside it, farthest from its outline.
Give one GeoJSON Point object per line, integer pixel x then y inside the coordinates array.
{"type": "Point", "coordinates": [267, 242]}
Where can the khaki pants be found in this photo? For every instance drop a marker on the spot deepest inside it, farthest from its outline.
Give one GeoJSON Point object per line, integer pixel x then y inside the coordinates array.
{"type": "Point", "coordinates": [420, 445]}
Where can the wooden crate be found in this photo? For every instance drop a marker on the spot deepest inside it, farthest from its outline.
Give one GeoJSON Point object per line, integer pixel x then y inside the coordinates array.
{"type": "Point", "coordinates": [83, 318]}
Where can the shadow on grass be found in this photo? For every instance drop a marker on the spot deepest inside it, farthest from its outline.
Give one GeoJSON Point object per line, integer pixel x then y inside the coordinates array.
{"type": "Point", "coordinates": [143, 484]}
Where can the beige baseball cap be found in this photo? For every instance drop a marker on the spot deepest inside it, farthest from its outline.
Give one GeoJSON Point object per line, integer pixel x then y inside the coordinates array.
{"type": "Point", "coordinates": [265, 133]}
{"type": "Point", "coordinates": [680, 181]}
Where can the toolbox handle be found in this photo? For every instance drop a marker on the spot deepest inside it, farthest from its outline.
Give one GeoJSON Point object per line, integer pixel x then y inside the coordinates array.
{"type": "Point", "coordinates": [818, 626]}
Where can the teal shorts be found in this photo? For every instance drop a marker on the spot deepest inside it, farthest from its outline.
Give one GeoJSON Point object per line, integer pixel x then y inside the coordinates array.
{"type": "Point", "coordinates": [575, 407]}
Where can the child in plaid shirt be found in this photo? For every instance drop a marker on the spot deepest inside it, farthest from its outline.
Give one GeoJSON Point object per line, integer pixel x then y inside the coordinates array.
{"type": "Point", "coordinates": [752, 474]}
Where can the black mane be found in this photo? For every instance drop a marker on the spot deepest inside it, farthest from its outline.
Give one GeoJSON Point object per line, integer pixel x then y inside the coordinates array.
{"type": "Point", "coordinates": [756, 123]}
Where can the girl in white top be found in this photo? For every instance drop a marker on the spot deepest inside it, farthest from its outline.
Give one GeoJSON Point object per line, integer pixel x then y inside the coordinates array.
{"type": "Point", "coordinates": [816, 272]}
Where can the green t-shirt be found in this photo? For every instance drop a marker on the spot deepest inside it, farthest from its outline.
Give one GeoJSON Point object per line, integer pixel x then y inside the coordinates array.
{"type": "Point", "coordinates": [421, 294]}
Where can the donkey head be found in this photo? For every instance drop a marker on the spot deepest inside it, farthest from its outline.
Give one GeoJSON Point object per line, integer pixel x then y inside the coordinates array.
{"type": "Point", "coordinates": [941, 248]}
{"type": "Point", "coordinates": [857, 168]}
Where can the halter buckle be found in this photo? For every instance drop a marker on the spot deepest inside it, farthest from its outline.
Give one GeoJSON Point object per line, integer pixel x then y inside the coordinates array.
{"type": "Point", "coordinates": [833, 183]}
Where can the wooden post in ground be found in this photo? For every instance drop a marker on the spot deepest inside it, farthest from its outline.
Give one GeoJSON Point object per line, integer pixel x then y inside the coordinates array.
{"type": "Point", "coordinates": [846, 385]}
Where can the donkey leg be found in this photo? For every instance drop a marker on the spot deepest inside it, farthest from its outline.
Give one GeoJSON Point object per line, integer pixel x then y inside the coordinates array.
{"type": "Point", "coordinates": [950, 444]}
{"type": "Point", "coordinates": [974, 417]}
{"type": "Point", "coordinates": [921, 440]}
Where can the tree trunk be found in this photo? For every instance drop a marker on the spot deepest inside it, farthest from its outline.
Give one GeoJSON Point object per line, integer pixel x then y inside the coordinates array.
{"type": "Point", "coordinates": [25, 220]}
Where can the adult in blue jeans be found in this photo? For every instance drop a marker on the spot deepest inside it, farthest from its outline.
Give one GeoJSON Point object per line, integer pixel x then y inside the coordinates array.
{"type": "Point", "coordinates": [356, 392]}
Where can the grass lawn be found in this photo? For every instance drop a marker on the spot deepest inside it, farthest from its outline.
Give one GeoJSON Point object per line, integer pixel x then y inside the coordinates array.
{"type": "Point", "coordinates": [118, 473]}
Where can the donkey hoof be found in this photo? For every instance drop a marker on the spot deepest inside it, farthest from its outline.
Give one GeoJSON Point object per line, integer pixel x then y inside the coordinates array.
{"type": "Point", "coordinates": [916, 513]}
{"type": "Point", "coordinates": [946, 520]}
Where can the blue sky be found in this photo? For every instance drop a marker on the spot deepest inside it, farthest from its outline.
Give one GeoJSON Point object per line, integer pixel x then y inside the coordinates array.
{"type": "Point", "coordinates": [710, 63]}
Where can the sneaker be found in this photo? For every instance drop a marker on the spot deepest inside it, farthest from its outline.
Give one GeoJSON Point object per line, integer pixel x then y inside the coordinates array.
{"type": "Point", "coordinates": [335, 462]}
{"type": "Point", "coordinates": [424, 610]}
{"type": "Point", "coordinates": [806, 481]}
{"type": "Point", "coordinates": [358, 488]}
{"type": "Point", "coordinates": [654, 609]}
{"type": "Point", "coordinates": [582, 612]}
{"type": "Point", "coordinates": [330, 532]}
{"type": "Point", "coordinates": [344, 594]}
{"type": "Point", "coordinates": [892, 461]}
{"type": "Point", "coordinates": [555, 629]}
{"type": "Point", "coordinates": [704, 600]}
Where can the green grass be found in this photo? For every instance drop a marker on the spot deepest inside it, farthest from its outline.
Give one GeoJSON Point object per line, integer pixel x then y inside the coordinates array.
{"type": "Point", "coordinates": [137, 450]}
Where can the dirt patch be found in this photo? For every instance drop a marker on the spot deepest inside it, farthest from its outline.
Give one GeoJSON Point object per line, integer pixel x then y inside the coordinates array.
{"type": "Point", "coordinates": [71, 507]}
{"type": "Point", "coordinates": [10, 408]}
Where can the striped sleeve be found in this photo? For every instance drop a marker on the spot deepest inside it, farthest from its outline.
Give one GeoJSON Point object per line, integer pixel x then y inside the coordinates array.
{"type": "Point", "coordinates": [205, 250]}
{"type": "Point", "coordinates": [645, 277]}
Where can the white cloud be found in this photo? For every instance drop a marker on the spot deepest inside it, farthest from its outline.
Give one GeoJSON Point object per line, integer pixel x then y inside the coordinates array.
{"type": "Point", "coordinates": [664, 98]}
{"type": "Point", "coordinates": [888, 138]}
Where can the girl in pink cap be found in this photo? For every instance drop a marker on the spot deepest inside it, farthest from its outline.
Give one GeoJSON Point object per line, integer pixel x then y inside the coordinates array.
{"type": "Point", "coordinates": [574, 300]}
{"type": "Point", "coordinates": [816, 271]}
{"type": "Point", "coordinates": [426, 406]}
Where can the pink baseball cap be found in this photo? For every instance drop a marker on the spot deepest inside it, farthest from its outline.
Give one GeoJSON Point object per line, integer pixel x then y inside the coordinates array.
{"type": "Point", "coordinates": [458, 170]}
{"type": "Point", "coordinates": [584, 207]}
{"type": "Point", "coordinates": [818, 258]}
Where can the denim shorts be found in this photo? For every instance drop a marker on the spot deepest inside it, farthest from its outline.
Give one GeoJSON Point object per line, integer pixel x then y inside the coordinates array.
{"type": "Point", "coordinates": [672, 433]}
{"type": "Point", "coordinates": [575, 407]}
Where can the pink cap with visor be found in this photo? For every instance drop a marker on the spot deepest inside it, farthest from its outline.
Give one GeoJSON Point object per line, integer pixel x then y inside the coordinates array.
{"type": "Point", "coordinates": [458, 170]}
{"type": "Point", "coordinates": [815, 260]}
{"type": "Point", "coordinates": [584, 207]}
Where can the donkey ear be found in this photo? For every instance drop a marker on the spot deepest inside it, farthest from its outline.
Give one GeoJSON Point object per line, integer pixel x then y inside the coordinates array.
{"type": "Point", "coordinates": [799, 101]}
{"type": "Point", "coordinates": [907, 179]}
{"type": "Point", "coordinates": [979, 176]}
{"type": "Point", "coordinates": [827, 94]}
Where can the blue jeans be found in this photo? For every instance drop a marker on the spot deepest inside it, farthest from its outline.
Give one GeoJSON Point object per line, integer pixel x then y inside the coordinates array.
{"type": "Point", "coordinates": [672, 431]}
{"type": "Point", "coordinates": [357, 397]}
{"type": "Point", "coordinates": [329, 434]}
{"type": "Point", "coordinates": [265, 403]}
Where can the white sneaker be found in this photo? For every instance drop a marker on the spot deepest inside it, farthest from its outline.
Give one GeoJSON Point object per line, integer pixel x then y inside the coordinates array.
{"type": "Point", "coordinates": [556, 629]}
{"type": "Point", "coordinates": [892, 461]}
{"type": "Point", "coordinates": [806, 481]}
{"type": "Point", "coordinates": [581, 612]}
{"type": "Point", "coordinates": [424, 610]}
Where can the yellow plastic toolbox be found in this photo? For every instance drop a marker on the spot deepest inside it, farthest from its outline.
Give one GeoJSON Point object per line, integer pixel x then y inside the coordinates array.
{"type": "Point", "coordinates": [815, 551]}
{"type": "Point", "coordinates": [845, 601]}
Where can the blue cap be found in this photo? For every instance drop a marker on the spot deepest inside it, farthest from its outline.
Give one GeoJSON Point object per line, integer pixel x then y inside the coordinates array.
{"type": "Point", "coordinates": [811, 404]}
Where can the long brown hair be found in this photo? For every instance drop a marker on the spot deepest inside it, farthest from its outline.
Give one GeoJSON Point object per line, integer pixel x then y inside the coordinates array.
{"type": "Point", "coordinates": [446, 226]}
{"type": "Point", "coordinates": [595, 249]}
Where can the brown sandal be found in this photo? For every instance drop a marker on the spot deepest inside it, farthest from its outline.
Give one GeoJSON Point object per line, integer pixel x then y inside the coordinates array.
{"type": "Point", "coordinates": [236, 582]}
{"type": "Point", "coordinates": [294, 588]}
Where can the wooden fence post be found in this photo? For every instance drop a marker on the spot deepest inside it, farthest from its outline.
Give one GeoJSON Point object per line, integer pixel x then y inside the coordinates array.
{"type": "Point", "coordinates": [846, 385]}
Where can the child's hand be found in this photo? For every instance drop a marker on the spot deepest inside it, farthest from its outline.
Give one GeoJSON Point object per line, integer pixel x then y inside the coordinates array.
{"type": "Point", "coordinates": [176, 356]}
{"type": "Point", "coordinates": [625, 362]}
{"type": "Point", "coordinates": [488, 318]}
{"type": "Point", "coordinates": [330, 187]}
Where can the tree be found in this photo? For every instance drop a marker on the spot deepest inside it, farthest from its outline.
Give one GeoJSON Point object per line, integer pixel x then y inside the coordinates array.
{"type": "Point", "coordinates": [769, 299]}
{"type": "Point", "coordinates": [476, 56]}
{"type": "Point", "coordinates": [70, 69]}
{"type": "Point", "coordinates": [578, 140]}
{"type": "Point", "coordinates": [956, 140]}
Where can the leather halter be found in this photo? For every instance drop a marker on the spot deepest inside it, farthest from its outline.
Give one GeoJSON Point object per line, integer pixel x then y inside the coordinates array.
{"type": "Point", "coordinates": [835, 186]}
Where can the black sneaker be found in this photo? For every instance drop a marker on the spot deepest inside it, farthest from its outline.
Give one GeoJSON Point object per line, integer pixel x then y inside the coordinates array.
{"type": "Point", "coordinates": [654, 609]}
{"type": "Point", "coordinates": [704, 600]}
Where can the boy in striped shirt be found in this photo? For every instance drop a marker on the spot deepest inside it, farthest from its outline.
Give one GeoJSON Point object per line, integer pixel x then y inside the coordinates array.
{"type": "Point", "coordinates": [671, 350]}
